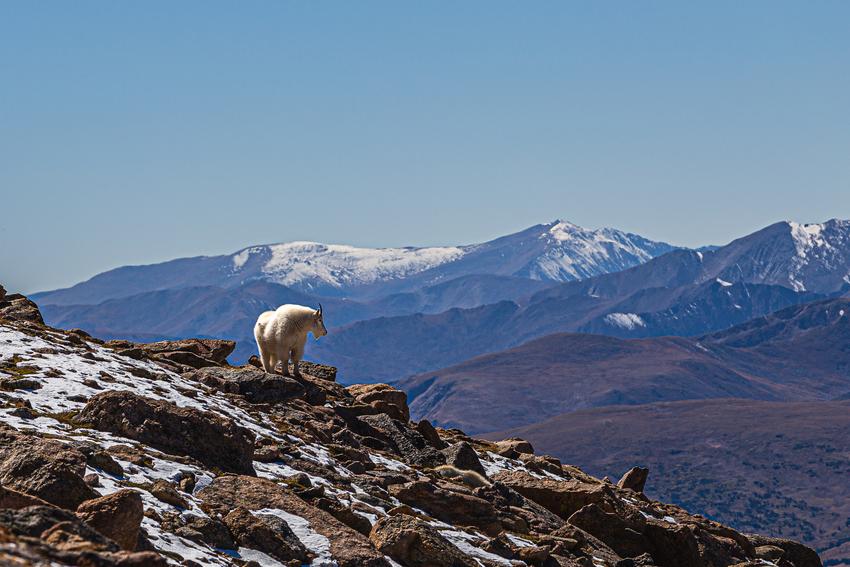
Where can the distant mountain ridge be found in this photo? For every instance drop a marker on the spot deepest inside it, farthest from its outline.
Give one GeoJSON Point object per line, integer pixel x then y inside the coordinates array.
{"type": "Point", "coordinates": [683, 292]}
{"type": "Point", "coordinates": [798, 353]}
{"type": "Point", "coordinates": [558, 251]}
{"type": "Point", "coordinates": [221, 296]}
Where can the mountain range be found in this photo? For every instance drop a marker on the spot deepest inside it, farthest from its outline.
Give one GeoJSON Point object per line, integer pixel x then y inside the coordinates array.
{"type": "Point", "coordinates": [799, 353]}
{"type": "Point", "coordinates": [220, 296]}
{"type": "Point", "coordinates": [683, 293]}
{"type": "Point", "coordinates": [419, 309]}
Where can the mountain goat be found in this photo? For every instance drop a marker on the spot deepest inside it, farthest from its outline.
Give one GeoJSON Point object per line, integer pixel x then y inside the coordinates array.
{"type": "Point", "coordinates": [281, 334]}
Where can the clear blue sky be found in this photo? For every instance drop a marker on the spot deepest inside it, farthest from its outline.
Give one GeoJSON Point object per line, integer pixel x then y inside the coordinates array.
{"type": "Point", "coordinates": [134, 132]}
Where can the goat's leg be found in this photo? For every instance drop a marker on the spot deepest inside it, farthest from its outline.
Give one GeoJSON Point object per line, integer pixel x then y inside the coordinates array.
{"type": "Point", "coordinates": [266, 359]}
{"type": "Point", "coordinates": [283, 357]}
{"type": "Point", "coordinates": [297, 354]}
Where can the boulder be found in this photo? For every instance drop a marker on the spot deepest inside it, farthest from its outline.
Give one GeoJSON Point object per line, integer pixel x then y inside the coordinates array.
{"type": "Point", "coordinates": [118, 516]}
{"type": "Point", "coordinates": [255, 385]}
{"type": "Point", "coordinates": [15, 500]}
{"type": "Point", "coordinates": [164, 491]}
{"type": "Point", "coordinates": [449, 506]}
{"type": "Point", "coordinates": [17, 307]}
{"type": "Point", "coordinates": [47, 469]}
{"type": "Point", "coordinates": [414, 543]}
{"type": "Point", "coordinates": [563, 497]}
{"type": "Point", "coordinates": [383, 398]}
{"type": "Point", "coordinates": [634, 479]}
{"type": "Point", "coordinates": [349, 548]}
{"type": "Point", "coordinates": [512, 448]}
{"type": "Point", "coordinates": [402, 440]}
{"type": "Point", "coordinates": [210, 438]}
{"type": "Point", "coordinates": [42, 521]}
{"type": "Point", "coordinates": [211, 531]}
{"type": "Point", "coordinates": [674, 545]}
{"type": "Point", "coordinates": [204, 352]}
{"type": "Point", "coordinates": [463, 456]}
{"type": "Point", "coordinates": [321, 371]}
{"type": "Point", "coordinates": [266, 533]}
{"type": "Point", "coordinates": [430, 434]}
{"type": "Point", "coordinates": [796, 553]}
{"type": "Point", "coordinates": [618, 533]}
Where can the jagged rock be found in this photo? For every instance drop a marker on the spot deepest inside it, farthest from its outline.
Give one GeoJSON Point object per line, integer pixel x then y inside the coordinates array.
{"type": "Point", "coordinates": [346, 515]}
{"type": "Point", "coordinates": [118, 516]}
{"type": "Point", "coordinates": [564, 498]}
{"type": "Point", "coordinates": [36, 521]}
{"type": "Point", "coordinates": [165, 492]}
{"type": "Point", "coordinates": [513, 447]}
{"type": "Point", "coordinates": [211, 531]}
{"type": "Point", "coordinates": [15, 500]}
{"type": "Point", "coordinates": [349, 548]}
{"type": "Point", "coordinates": [255, 385]}
{"type": "Point", "coordinates": [212, 439]}
{"type": "Point", "coordinates": [674, 546]}
{"type": "Point", "coordinates": [430, 434]}
{"type": "Point", "coordinates": [265, 533]}
{"type": "Point", "coordinates": [98, 458]}
{"type": "Point", "coordinates": [770, 553]}
{"type": "Point", "coordinates": [321, 371]}
{"type": "Point", "coordinates": [448, 505]}
{"type": "Point", "coordinates": [414, 543]}
{"type": "Point", "coordinates": [634, 479]}
{"type": "Point", "coordinates": [623, 536]}
{"type": "Point", "coordinates": [206, 352]}
{"type": "Point", "coordinates": [523, 513]}
{"type": "Point", "coordinates": [383, 398]}
{"type": "Point", "coordinates": [16, 307]}
{"type": "Point", "coordinates": [796, 553]}
{"type": "Point", "coordinates": [405, 442]}
{"type": "Point", "coordinates": [463, 456]}
{"type": "Point", "coordinates": [542, 463]}
{"type": "Point", "coordinates": [48, 469]}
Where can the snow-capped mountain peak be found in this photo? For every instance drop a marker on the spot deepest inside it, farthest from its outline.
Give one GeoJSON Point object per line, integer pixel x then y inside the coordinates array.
{"type": "Point", "coordinates": [339, 265]}
{"type": "Point", "coordinates": [572, 252]}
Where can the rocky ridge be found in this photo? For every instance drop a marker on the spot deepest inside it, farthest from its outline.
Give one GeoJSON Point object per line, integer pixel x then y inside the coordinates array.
{"type": "Point", "coordinates": [151, 454]}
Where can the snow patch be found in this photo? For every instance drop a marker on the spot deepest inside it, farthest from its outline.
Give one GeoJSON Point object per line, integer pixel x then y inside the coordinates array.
{"type": "Point", "coordinates": [312, 540]}
{"type": "Point", "coordinates": [628, 321]}
{"type": "Point", "coordinates": [338, 265]}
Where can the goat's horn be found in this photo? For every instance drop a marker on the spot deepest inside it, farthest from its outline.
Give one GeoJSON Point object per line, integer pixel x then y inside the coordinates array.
{"type": "Point", "coordinates": [320, 308]}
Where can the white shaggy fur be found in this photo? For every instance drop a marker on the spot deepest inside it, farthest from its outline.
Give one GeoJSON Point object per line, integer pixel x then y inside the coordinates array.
{"type": "Point", "coordinates": [281, 334]}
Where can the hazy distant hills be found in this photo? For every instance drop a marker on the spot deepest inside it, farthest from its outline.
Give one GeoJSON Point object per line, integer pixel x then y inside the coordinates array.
{"type": "Point", "coordinates": [799, 353]}
{"type": "Point", "coordinates": [780, 467]}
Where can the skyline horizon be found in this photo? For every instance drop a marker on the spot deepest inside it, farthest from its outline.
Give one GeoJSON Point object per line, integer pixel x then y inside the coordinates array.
{"type": "Point", "coordinates": [415, 245]}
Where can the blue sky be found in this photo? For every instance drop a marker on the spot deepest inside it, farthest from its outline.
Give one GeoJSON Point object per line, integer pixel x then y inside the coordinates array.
{"type": "Point", "coordinates": [138, 132]}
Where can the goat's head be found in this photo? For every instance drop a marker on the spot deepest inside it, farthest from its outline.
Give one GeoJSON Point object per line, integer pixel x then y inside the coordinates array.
{"type": "Point", "coordinates": [318, 329]}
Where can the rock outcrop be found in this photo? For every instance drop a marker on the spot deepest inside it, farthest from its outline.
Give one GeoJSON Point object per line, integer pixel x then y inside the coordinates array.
{"type": "Point", "coordinates": [132, 454]}
{"type": "Point", "coordinates": [212, 439]}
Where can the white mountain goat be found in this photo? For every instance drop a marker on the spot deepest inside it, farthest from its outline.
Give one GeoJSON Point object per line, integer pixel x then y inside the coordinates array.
{"type": "Point", "coordinates": [281, 334]}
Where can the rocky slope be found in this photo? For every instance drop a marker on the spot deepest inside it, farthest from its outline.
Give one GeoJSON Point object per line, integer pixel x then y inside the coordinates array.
{"type": "Point", "coordinates": [132, 454]}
